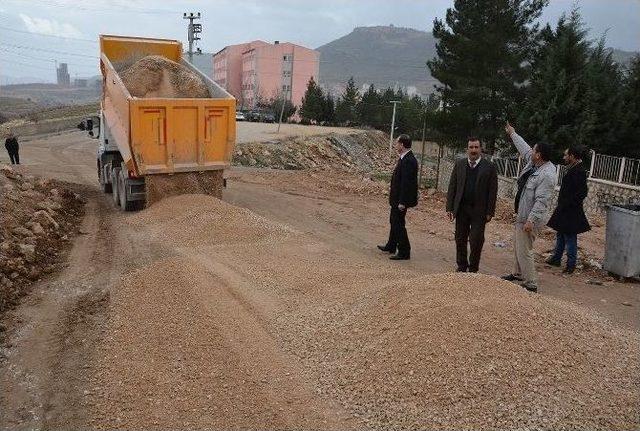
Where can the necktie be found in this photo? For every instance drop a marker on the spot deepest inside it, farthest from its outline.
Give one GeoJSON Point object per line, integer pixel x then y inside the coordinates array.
{"type": "Point", "coordinates": [472, 164]}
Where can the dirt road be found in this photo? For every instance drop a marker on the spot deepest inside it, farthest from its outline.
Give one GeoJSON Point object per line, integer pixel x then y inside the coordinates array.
{"type": "Point", "coordinates": [214, 316]}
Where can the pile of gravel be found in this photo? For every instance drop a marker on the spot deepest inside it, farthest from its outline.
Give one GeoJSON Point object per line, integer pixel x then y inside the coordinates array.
{"type": "Point", "coordinates": [391, 348]}
{"type": "Point", "coordinates": [157, 76]}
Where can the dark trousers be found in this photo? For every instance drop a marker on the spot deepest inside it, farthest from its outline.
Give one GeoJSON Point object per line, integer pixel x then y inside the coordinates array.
{"type": "Point", "coordinates": [398, 238]}
{"type": "Point", "coordinates": [469, 229]}
{"type": "Point", "coordinates": [15, 157]}
{"type": "Point", "coordinates": [570, 242]}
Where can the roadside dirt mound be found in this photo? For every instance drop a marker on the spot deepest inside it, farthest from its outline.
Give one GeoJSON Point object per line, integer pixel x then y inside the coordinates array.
{"type": "Point", "coordinates": [157, 76]}
{"type": "Point", "coordinates": [201, 220]}
{"type": "Point", "coordinates": [38, 217]}
{"type": "Point", "coordinates": [474, 352]}
{"type": "Point", "coordinates": [360, 152]}
{"type": "Point", "coordinates": [158, 187]}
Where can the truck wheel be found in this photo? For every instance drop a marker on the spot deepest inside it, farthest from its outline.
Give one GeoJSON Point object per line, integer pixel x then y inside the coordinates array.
{"type": "Point", "coordinates": [115, 174]}
{"type": "Point", "coordinates": [105, 185]}
{"type": "Point", "coordinates": [123, 192]}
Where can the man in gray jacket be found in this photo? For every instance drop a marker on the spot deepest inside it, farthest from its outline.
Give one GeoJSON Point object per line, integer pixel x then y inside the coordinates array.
{"type": "Point", "coordinates": [535, 189]}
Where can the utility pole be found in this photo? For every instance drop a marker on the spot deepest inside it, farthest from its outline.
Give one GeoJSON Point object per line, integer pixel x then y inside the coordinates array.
{"type": "Point", "coordinates": [193, 31]}
{"type": "Point", "coordinates": [424, 130]}
{"type": "Point", "coordinates": [393, 123]}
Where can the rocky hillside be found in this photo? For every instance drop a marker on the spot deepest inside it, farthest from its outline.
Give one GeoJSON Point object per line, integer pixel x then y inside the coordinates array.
{"type": "Point", "coordinates": [383, 56]}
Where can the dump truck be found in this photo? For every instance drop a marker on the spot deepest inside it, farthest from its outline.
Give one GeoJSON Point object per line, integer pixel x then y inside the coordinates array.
{"type": "Point", "coordinates": [164, 142]}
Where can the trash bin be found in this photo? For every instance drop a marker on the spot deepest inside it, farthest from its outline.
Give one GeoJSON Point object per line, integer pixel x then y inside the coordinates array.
{"type": "Point", "coordinates": [622, 252]}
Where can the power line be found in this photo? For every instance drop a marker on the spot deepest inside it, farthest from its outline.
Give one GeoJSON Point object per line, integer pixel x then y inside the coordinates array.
{"type": "Point", "coordinates": [57, 5]}
{"type": "Point", "coordinates": [48, 35]}
{"type": "Point", "coordinates": [47, 50]}
{"type": "Point", "coordinates": [20, 54]}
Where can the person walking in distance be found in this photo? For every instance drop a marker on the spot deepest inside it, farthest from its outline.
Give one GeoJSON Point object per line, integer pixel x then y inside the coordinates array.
{"type": "Point", "coordinates": [535, 188]}
{"type": "Point", "coordinates": [11, 144]}
{"type": "Point", "coordinates": [403, 194]}
{"type": "Point", "coordinates": [471, 202]}
{"type": "Point", "coordinates": [569, 219]}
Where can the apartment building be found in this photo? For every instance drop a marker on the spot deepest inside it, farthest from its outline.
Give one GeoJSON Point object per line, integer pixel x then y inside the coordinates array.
{"type": "Point", "coordinates": [259, 71]}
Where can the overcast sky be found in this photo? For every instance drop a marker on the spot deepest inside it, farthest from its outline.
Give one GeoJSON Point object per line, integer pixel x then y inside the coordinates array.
{"type": "Point", "coordinates": [33, 32]}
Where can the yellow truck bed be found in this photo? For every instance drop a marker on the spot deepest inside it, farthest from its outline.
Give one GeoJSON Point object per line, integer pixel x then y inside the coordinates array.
{"type": "Point", "coordinates": [164, 135]}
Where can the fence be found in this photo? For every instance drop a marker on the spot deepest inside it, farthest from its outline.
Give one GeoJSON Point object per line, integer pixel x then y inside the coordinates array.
{"type": "Point", "coordinates": [622, 170]}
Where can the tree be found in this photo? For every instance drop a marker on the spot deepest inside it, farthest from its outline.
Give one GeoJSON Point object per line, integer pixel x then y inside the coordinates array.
{"type": "Point", "coordinates": [555, 107]}
{"type": "Point", "coordinates": [630, 135]}
{"type": "Point", "coordinates": [275, 107]}
{"type": "Point", "coordinates": [346, 105]}
{"type": "Point", "coordinates": [370, 109]}
{"type": "Point", "coordinates": [312, 106]}
{"type": "Point", "coordinates": [574, 96]}
{"type": "Point", "coordinates": [483, 55]}
{"type": "Point", "coordinates": [328, 110]}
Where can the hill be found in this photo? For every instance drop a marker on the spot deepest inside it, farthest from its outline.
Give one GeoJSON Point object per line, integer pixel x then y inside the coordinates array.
{"type": "Point", "coordinates": [383, 56]}
{"type": "Point", "coordinates": [387, 56]}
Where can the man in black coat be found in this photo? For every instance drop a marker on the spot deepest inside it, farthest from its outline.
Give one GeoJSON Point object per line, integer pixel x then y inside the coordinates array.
{"type": "Point", "coordinates": [11, 144]}
{"type": "Point", "coordinates": [471, 201]}
{"type": "Point", "coordinates": [569, 219]}
{"type": "Point", "coordinates": [403, 194]}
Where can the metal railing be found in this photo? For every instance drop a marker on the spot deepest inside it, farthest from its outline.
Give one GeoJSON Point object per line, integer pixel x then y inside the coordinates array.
{"type": "Point", "coordinates": [623, 170]}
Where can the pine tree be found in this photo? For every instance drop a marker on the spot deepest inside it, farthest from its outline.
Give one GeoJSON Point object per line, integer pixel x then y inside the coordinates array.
{"type": "Point", "coordinates": [312, 106]}
{"type": "Point", "coordinates": [370, 108]}
{"type": "Point", "coordinates": [346, 106]}
{"type": "Point", "coordinates": [555, 110]}
{"type": "Point", "coordinates": [483, 52]}
{"type": "Point", "coordinates": [630, 134]}
{"type": "Point", "coordinates": [328, 110]}
{"type": "Point", "coordinates": [604, 102]}
{"type": "Point", "coordinates": [575, 93]}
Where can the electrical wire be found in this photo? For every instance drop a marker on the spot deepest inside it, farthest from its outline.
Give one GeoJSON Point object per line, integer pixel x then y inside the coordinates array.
{"type": "Point", "coordinates": [48, 50]}
{"type": "Point", "coordinates": [48, 35]}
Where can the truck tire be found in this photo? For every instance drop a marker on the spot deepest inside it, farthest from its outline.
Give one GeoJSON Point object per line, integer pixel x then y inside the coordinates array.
{"type": "Point", "coordinates": [123, 193]}
{"type": "Point", "coordinates": [115, 174]}
{"type": "Point", "coordinates": [105, 185]}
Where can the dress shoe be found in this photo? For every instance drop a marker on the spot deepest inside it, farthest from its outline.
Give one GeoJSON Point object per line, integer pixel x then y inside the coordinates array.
{"type": "Point", "coordinates": [400, 257]}
{"type": "Point", "coordinates": [461, 269]}
{"type": "Point", "coordinates": [531, 287]}
{"type": "Point", "coordinates": [384, 248]}
{"type": "Point", "coordinates": [569, 270]}
{"type": "Point", "coordinates": [512, 277]}
{"type": "Point", "coordinates": [553, 262]}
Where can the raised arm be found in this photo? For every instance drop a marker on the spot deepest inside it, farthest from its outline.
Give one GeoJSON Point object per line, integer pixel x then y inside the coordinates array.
{"type": "Point", "coordinates": [521, 145]}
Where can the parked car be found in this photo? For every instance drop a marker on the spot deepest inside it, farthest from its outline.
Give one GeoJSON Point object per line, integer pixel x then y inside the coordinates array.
{"type": "Point", "coordinates": [268, 118]}
{"type": "Point", "coordinates": [252, 116]}
{"type": "Point", "coordinates": [240, 116]}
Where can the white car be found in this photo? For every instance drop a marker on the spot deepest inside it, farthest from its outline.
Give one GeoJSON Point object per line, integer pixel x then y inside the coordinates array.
{"type": "Point", "coordinates": [240, 116]}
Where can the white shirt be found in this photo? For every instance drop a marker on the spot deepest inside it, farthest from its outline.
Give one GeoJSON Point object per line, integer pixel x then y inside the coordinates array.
{"type": "Point", "coordinates": [404, 153]}
{"type": "Point", "coordinates": [476, 162]}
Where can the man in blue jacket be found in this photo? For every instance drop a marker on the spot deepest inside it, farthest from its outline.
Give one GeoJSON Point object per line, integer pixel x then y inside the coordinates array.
{"type": "Point", "coordinates": [403, 194]}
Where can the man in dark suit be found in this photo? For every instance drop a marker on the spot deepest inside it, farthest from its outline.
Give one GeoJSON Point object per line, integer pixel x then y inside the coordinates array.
{"type": "Point", "coordinates": [403, 194]}
{"type": "Point", "coordinates": [569, 219]}
{"type": "Point", "coordinates": [471, 201]}
{"type": "Point", "coordinates": [11, 144]}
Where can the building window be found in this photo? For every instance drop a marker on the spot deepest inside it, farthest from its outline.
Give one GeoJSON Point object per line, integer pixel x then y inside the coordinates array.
{"type": "Point", "coordinates": [286, 73]}
{"type": "Point", "coordinates": [286, 88]}
{"type": "Point", "coordinates": [287, 57]}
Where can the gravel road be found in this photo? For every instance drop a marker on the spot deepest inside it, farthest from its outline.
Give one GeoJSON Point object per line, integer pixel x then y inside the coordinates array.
{"type": "Point", "coordinates": [277, 313]}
